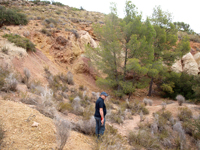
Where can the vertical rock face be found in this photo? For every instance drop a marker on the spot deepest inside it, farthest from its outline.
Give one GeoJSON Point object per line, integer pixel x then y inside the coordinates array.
{"type": "Point", "coordinates": [190, 66]}
{"type": "Point", "coordinates": [197, 58]}
{"type": "Point", "coordinates": [177, 67]}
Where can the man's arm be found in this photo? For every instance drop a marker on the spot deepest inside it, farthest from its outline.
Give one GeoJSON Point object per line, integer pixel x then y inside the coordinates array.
{"type": "Point", "coordinates": [102, 116]}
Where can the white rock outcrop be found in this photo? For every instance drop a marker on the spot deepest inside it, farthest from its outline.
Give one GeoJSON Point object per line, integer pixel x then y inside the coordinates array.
{"type": "Point", "coordinates": [177, 67]}
{"type": "Point", "coordinates": [190, 66]}
{"type": "Point", "coordinates": [197, 58]}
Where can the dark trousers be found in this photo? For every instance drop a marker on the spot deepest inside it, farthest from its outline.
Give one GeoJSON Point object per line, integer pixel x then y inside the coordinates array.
{"type": "Point", "coordinates": [99, 127]}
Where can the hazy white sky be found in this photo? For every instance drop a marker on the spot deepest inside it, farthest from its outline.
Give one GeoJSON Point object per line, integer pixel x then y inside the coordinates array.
{"type": "Point", "coordinates": [182, 10]}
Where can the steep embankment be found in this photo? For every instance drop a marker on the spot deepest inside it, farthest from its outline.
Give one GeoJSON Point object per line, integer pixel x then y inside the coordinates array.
{"type": "Point", "coordinates": [17, 120]}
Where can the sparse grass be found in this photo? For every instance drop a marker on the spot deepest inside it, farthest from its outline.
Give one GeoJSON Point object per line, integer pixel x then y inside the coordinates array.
{"type": "Point", "coordinates": [21, 42]}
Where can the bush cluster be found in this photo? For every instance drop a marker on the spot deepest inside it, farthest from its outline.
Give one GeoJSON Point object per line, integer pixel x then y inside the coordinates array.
{"type": "Point", "coordinates": [11, 17]}
{"type": "Point", "coordinates": [21, 42]}
{"type": "Point", "coordinates": [182, 84]}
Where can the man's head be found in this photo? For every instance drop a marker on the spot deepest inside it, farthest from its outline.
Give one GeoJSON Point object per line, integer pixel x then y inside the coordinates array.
{"type": "Point", "coordinates": [103, 95]}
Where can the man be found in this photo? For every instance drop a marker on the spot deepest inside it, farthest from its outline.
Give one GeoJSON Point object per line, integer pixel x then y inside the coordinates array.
{"type": "Point", "coordinates": [100, 113]}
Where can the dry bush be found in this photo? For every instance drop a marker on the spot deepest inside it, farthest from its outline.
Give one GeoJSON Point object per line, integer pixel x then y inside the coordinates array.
{"type": "Point", "coordinates": [47, 106]}
{"type": "Point", "coordinates": [76, 104]}
{"type": "Point", "coordinates": [5, 50]}
{"type": "Point", "coordinates": [143, 138]}
{"type": "Point", "coordinates": [10, 83]}
{"type": "Point", "coordinates": [87, 126]}
{"type": "Point", "coordinates": [147, 101]}
{"type": "Point", "coordinates": [182, 138]}
{"type": "Point", "coordinates": [70, 79]}
{"type": "Point", "coordinates": [164, 105]}
{"type": "Point", "coordinates": [2, 134]}
{"type": "Point", "coordinates": [135, 108]}
{"type": "Point", "coordinates": [184, 113]}
{"type": "Point", "coordinates": [27, 75]}
{"type": "Point", "coordinates": [180, 99]}
{"type": "Point", "coordinates": [117, 117]}
{"type": "Point", "coordinates": [63, 128]}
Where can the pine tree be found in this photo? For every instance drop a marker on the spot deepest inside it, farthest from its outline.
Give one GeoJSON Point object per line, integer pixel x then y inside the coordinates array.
{"type": "Point", "coordinates": [165, 51]}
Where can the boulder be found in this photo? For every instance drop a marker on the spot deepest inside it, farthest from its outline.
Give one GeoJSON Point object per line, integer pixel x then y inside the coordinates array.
{"type": "Point", "coordinates": [190, 66]}
{"type": "Point", "coordinates": [197, 58]}
{"type": "Point", "coordinates": [177, 67]}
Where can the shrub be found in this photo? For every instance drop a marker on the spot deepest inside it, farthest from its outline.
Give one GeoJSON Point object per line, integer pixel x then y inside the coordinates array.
{"type": "Point", "coordinates": [63, 128]}
{"type": "Point", "coordinates": [88, 112]}
{"type": "Point", "coordinates": [166, 114]}
{"type": "Point", "coordinates": [21, 42]}
{"type": "Point", "coordinates": [11, 17]}
{"type": "Point", "coordinates": [70, 79]}
{"type": "Point", "coordinates": [180, 99]}
{"type": "Point", "coordinates": [184, 113]}
{"type": "Point", "coordinates": [183, 84]}
{"type": "Point", "coordinates": [5, 50]}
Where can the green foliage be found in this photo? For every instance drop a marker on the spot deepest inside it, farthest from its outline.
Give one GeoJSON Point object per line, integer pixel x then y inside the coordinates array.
{"type": "Point", "coordinates": [178, 83]}
{"type": "Point", "coordinates": [57, 4]}
{"type": "Point", "coordinates": [11, 17]}
{"type": "Point", "coordinates": [21, 42]}
{"type": "Point", "coordinates": [183, 27]}
{"type": "Point", "coordinates": [75, 9]}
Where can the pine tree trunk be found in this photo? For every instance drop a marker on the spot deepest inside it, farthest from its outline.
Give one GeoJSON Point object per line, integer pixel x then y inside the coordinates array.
{"type": "Point", "coordinates": [125, 61]}
{"type": "Point", "coordinates": [150, 87]}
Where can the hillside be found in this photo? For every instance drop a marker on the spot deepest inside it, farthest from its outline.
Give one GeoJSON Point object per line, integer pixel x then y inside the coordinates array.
{"type": "Point", "coordinates": [54, 87]}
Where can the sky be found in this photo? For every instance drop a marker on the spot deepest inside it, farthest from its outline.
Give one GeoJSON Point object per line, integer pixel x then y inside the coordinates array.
{"type": "Point", "coordinates": [182, 10]}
